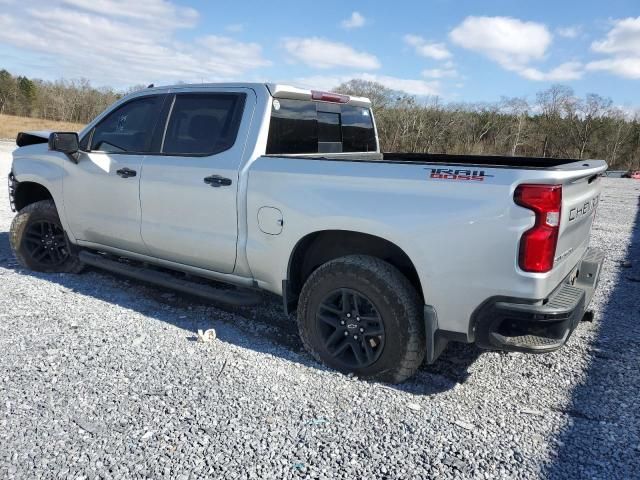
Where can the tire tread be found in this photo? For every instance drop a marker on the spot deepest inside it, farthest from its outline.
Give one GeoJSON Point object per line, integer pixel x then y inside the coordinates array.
{"type": "Point", "coordinates": [45, 208]}
{"type": "Point", "coordinates": [397, 284]}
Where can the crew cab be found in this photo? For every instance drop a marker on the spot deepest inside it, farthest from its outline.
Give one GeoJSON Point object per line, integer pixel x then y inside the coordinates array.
{"type": "Point", "coordinates": [385, 257]}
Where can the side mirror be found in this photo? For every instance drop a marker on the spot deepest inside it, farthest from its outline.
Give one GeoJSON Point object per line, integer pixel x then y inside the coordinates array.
{"type": "Point", "coordinates": [65, 142]}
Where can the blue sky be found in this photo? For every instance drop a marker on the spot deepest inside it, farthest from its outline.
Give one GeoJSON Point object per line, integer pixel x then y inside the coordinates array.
{"type": "Point", "coordinates": [460, 50]}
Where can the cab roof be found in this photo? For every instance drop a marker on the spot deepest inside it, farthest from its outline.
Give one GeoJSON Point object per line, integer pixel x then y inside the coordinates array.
{"type": "Point", "coordinates": [279, 90]}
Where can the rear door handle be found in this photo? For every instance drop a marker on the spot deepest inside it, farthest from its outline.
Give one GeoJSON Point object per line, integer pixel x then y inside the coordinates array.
{"type": "Point", "coordinates": [217, 181]}
{"type": "Point", "coordinates": [126, 172]}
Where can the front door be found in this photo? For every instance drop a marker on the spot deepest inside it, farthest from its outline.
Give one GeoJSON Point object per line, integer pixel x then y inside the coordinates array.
{"type": "Point", "coordinates": [101, 192]}
{"type": "Point", "coordinates": [188, 192]}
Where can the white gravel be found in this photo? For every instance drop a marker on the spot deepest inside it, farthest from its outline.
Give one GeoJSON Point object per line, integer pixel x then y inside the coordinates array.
{"type": "Point", "coordinates": [102, 378]}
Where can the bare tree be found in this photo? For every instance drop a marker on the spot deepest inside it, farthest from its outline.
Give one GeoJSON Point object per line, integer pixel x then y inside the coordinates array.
{"type": "Point", "coordinates": [552, 104]}
{"type": "Point", "coordinates": [585, 118]}
{"type": "Point", "coordinates": [380, 96]}
{"type": "Point", "coordinates": [517, 110]}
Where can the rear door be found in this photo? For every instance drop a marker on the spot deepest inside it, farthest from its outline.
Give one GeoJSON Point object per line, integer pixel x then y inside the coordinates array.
{"type": "Point", "coordinates": [101, 192]}
{"type": "Point", "coordinates": [188, 192]}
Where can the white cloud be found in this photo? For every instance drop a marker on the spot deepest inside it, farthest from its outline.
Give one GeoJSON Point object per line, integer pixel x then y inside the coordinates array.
{"type": "Point", "coordinates": [623, 67]}
{"type": "Point", "coordinates": [161, 13]}
{"type": "Point", "coordinates": [414, 87]}
{"type": "Point", "coordinates": [623, 38]}
{"type": "Point", "coordinates": [440, 73]}
{"type": "Point", "coordinates": [571, 31]}
{"type": "Point", "coordinates": [562, 73]}
{"type": "Point", "coordinates": [437, 51]}
{"type": "Point", "coordinates": [356, 20]}
{"type": "Point", "coordinates": [503, 39]}
{"type": "Point", "coordinates": [411, 86]}
{"type": "Point", "coordinates": [320, 82]}
{"type": "Point", "coordinates": [244, 56]}
{"type": "Point", "coordinates": [98, 40]}
{"type": "Point", "coordinates": [622, 45]}
{"type": "Point", "coordinates": [321, 53]}
{"type": "Point", "coordinates": [513, 44]}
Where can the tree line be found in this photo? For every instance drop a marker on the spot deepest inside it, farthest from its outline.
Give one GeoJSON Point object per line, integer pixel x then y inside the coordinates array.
{"type": "Point", "coordinates": [65, 100]}
{"type": "Point", "coordinates": [556, 124]}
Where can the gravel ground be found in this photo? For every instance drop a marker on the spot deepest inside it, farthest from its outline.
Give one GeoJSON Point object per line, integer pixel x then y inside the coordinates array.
{"type": "Point", "coordinates": [101, 378]}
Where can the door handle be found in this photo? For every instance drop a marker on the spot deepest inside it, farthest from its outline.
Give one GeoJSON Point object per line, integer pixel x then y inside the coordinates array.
{"type": "Point", "coordinates": [126, 172]}
{"type": "Point", "coordinates": [217, 181]}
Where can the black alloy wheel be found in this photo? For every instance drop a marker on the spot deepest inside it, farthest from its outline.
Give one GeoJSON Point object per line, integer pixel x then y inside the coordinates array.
{"type": "Point", "coordinates": [361, 315]}
{"type": "Point", "coordinates": [39, 242]}
{"type": "Point", "coordinates": [46, 244]}
{"type": "Point", "coordinates": [351, 328]}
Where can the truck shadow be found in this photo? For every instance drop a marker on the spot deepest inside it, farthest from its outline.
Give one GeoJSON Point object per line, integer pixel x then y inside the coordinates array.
{"type": "Point", "coordinates": [601, 438]}
{"type": "Point", "coordinates": [264, 328]}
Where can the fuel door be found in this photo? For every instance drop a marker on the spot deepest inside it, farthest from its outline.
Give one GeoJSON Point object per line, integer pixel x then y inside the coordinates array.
{"type": "Point", "coordinates": [270, 220]}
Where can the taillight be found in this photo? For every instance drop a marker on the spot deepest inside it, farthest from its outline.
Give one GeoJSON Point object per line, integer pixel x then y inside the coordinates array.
{"type": "Point", "coordinates": [538, 245]}
{"type": "Point", "coordinates": [329, 97]}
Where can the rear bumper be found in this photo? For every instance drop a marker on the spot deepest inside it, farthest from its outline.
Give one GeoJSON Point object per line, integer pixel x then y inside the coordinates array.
{"type": "Point", "coordinates": [512, 324]}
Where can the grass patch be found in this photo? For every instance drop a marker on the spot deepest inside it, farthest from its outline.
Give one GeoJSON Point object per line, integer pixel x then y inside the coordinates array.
{"type": "Point", "coordinates": [10, 125]}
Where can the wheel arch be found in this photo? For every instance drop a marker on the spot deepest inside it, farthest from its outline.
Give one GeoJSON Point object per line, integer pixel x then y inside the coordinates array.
{"type": "Point", "coordinates": [319, 247]}
{"type": "Point", "coordinates": [29, 192]}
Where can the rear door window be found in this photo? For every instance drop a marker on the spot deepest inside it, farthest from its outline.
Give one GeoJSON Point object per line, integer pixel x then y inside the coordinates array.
{"type": "Point", "coordinates": [203, 123]}
{"type": "Point", "coordinates": [293, 127]}
{"type": "Point", "coordinates": [301, 127]}
{"type": "Point", "coordinates": [358, 134]}
{"type": "Point", "coordinates": [129, 128]}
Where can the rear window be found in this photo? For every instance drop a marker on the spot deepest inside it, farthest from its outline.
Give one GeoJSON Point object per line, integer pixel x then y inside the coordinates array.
{"type": "Point", "coordinates": [300, 126]}
{"type": "Point", "coordinates": [203, 124]}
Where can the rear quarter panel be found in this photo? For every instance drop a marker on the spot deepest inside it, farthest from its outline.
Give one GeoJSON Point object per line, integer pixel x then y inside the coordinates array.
{"type": "Point", "coordinates": [462, 236]}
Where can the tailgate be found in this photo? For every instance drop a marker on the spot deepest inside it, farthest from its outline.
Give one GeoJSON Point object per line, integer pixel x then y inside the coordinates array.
{"type": "Point", "coordinates": [580, 196]}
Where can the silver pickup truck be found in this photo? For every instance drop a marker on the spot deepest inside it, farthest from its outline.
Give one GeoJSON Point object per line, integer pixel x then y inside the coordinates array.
{"type": "Point", "coordinates": [386, 257]}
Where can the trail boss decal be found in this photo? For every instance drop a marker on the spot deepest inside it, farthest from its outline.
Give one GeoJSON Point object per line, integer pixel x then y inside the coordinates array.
{"type": "Point", "coordinates": [461, 174]}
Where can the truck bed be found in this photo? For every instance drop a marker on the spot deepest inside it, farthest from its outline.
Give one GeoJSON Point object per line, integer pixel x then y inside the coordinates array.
{"type": "Point", "coordinates": [482, 160]}
{"type": "Point", "coordinates": [492, 161]}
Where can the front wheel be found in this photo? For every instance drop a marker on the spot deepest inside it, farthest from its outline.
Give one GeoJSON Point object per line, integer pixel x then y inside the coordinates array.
{"type": "Point", "coordinates": [359, 314]}
{"type": "Point", "coordinates": [38, 240]}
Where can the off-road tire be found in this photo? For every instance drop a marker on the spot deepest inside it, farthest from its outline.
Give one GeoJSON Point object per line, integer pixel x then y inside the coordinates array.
{"type": "Point", "coordinates": [394, 297]}
{"type": "Point", "coordinates": [42, 211]}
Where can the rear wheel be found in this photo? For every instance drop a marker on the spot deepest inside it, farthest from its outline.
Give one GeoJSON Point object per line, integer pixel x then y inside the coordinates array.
{"type": "Point", "coordinates": [359, 314]}
{"type": "Point", "coordinates": [39, 242]}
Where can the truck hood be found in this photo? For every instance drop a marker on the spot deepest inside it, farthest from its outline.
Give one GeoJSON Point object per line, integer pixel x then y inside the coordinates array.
{"type": "Point", "coordinates": [32, 138]}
